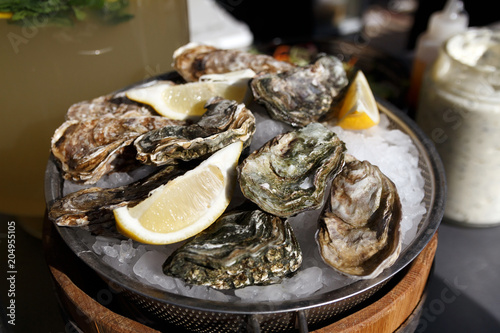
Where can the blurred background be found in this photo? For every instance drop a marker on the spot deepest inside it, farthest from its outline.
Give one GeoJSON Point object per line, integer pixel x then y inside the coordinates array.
{"type": "Point", "coordinates": [301, 21]}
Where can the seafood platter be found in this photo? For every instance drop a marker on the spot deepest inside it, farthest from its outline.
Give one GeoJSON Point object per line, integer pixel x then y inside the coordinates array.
{"type": "Point", "coordinates": [287, 195]}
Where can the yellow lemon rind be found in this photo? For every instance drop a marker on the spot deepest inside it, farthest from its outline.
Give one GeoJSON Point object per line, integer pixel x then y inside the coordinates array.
{"type": "Point", "coordinates": [132, 228]}
{"type": "Point", "coordinates": [359, 108]}
{"type": "Point", "coordinates": [233, 85]}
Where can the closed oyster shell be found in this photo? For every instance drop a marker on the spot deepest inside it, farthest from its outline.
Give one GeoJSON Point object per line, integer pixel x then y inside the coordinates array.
{"type": "Point", "coordinates": [194, 60]}
{"type": "Point", "coordinates": [95, 205]}
{"type": "Point", "coordinates": [302, 94]}
{"type": "Point", "coordinates": [238, 250]}
{"type": "Point", "coordinates": [223, 123]}
{"type": "Point", "coordinates": [289, 173]}
{"type": "Point", "coordinates": [359, 229]}
{"type": "Point", "coordinates": [88, 149]}
{"type": "Point", "coordinates": [115, 104]}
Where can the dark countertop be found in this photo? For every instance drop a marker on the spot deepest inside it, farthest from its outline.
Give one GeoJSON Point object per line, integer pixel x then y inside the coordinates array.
{"type": "Point", "coordinates": [464, 289]}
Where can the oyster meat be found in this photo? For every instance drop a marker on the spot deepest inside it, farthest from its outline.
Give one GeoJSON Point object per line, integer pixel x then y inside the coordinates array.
{"type": "Point", "coordinates": [223, 123]}
{"type": "Point", "coordinates": [193, 60]}
{"type": "Point", "coordinates": [302, 94]}
{"type": "Point", "coordinates": [95, 205]}
{"type": "Point", "coordinates": [289, 173]}
{"type": "Point", "coordinates": [359, 229]}
{"type": "Point", "coordinates": [88, 149]}
{"type": "Point", "coordinates": [239, 249]}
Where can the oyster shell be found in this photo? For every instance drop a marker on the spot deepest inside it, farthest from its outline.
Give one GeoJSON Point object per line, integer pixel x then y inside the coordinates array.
{"type": "Point", "coordinates": [193, 60]}
{"type": "Point", "coordinates": [238, 250]}
{"type": "Point", "coordinates": [88, 149]}
{"type": "Point", "coordinates": [223, 123]}
{"type": "Point", "coordinates": [303, 94]}
{"type": "Point", "coordinates": [289, 173]}
{"type": "Point", "coordinates": [95, 205]}
{"type": "Point", "coordinates": [115, 104]}
{"type": "Point", "coordinates": [359, 229]}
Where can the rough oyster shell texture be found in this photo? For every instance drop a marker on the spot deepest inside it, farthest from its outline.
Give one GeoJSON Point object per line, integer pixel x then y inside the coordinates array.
{"type": "Point", "coordinates": [88, 149]}
{"type": "Point", "coordinates": [192, 61]}
{"type": "Point", "coordinates": [238, 250]}
{"type": "Point", "coordinates": [97, 135]}
{"type": "Point", "coordinates": [94, 205]}
{"type": "Point", "coordinates": [302, 94]}
{"type": "Point", "coordinates": [359, 229]}
{"type": "Point", "coordinates": [116, 105]}
{"type": "Point", "coordinates": [223, 123]}
{"type": "Point", "coordinates": [289, 174]}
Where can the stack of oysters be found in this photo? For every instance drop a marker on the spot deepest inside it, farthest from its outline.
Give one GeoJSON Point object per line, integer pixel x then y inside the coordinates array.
{"type": "Point", "coordinates": [306, 168]}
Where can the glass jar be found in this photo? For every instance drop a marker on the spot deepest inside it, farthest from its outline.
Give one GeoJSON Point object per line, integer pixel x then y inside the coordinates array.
{"type": "Point", "coordinates": [49, 63]}
{"type": "Point", "coordinates": [459, 108]}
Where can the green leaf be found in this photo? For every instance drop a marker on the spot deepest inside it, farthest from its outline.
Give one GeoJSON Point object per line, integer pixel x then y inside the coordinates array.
{"type": "Point", "coordinates": [79, 13]}
{"type": "Point", "coordinates": [65, 12]}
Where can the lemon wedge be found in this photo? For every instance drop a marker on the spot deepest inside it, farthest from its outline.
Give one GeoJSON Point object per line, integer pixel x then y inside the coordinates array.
{"type": "Point", "coordinates": [185, 205]}
{"type": "Point", "coordinates": [187, 101]}
{"type": "Point", "coordinates": [358, 109]}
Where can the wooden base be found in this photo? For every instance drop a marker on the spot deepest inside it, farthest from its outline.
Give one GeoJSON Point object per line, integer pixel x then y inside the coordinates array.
{"type": "Point", "coordinates": [79, 288]}
{"type": "Point", "coordinates": [392, 310]}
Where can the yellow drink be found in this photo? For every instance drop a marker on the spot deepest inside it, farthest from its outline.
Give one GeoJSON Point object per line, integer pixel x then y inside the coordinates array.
{"type": "Point", "coordinates": [45, 69]}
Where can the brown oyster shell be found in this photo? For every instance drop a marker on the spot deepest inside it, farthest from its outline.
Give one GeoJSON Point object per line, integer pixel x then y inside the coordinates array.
{"type": "Point", "coordinates": [88, 149]}
{"type": "Point", "coordinates": [115, 104]}
{"type": "Point", "coordinates": [301, 95]}
{"type": "Point", "coordinates": [289, 173]}
{"type": "Point", "coordinates": [238, 250]}
{"type": "Point", "coordinates": [96, 138]}
{"type": "Point", "coordinates": [193, 60]}
{"type": "Point", "coordinates": [223, 123]}
{"type": "Point", "coordinates": [359, 229]}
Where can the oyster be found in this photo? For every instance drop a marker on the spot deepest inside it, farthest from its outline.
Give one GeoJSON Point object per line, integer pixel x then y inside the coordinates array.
{"type": "Point", "coordinates": [89, 149]}
{"type": "Point", "coordinates": [289, 173]}
{"type": "Point", "coordinates": [223, 123]}
{"type": "Point", "coordinates": [359, 229]}
{"type": "Point", "coordinates": [239, 249]}
{"type": "Point", "coordinates": [303, 94]}
{"type": "Point", "coordinates": [192, 61]}
{"type": "Point", "coordinates": [95, 204]}
{"type": "Point", "coordinates": [115, 104]}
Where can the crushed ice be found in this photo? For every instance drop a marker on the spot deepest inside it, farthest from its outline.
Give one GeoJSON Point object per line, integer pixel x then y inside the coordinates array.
{"type": "Point", "coordinates": [399, 162]}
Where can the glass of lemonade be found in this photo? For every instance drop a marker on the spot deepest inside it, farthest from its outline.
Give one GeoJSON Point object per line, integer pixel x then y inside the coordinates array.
{"type": "Point", "coordinates": [50, 62]}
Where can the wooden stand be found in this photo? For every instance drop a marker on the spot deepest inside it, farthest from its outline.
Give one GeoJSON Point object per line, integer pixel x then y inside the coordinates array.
{"type": "Point", "coordinates": [78, 287]}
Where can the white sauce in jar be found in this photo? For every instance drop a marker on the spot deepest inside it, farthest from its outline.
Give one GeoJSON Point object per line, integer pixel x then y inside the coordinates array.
{"type": "Point", "coordinates": [459, 109]}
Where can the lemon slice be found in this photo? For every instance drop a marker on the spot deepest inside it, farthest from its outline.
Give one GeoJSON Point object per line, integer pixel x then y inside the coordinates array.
{"type": "Point", "coordinates": [187, 101]}
{"type": "Point", "coordinates": [358, 109]}
{"type": "Point", "coordinates": [186, 205]}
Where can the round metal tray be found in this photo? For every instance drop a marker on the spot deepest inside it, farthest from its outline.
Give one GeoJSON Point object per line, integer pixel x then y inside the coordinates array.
{"type": "Point", "coordinates": [165, 309]}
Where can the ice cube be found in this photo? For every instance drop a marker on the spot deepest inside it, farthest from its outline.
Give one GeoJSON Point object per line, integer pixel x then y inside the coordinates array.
{"type": "Point", "coordinates": [126, 251]}
{"type": "Point", "coordinates": [110, 251]}
{"type": "Point", "coordinates": [305, 282]}
{"type": "Point", "coordinates": [149, 267]}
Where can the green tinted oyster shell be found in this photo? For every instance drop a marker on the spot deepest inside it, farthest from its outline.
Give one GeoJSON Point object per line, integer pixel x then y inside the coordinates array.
{"type": "Point", "coordinates": [224, 122]}
{"type": "Point", "coordinates": [289, 173]}
{"type": "Point", "coordinates": [359, 229]}
{"type": "Point", "coordinates": [301, 95]}
{"type": "Point", "coordinates": [240, 249]}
